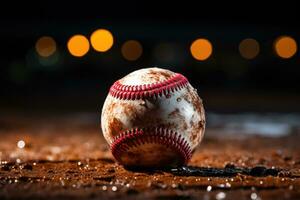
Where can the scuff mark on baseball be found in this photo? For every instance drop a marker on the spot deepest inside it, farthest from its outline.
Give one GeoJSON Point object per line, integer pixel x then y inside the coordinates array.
{"type": "Point", "coordinates": [153, 118]}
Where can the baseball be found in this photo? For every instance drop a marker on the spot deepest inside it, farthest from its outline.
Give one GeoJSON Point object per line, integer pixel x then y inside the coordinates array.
{"type": "Point", "coordinates": [153, 118]}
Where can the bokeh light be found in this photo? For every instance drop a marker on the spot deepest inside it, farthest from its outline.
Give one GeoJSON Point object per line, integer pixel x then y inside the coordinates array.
{"type": "Point", "coordinates": [285, 47]}
{"type": "Point", "coordinates": [168, 53]}
{"type": "Point", "coordinates": [132, 50]}
{"type": "Point", "coordinates": [249, 48]}
{"type": "Point", "coordinates": [19, 72]}
{"type": "Point", "coordinates": [21, 144]}
{"type": "Point", "coordinates": [201, 49]}
{"type": "Point", "coordinates": [78, 45]}
{"type": "Point", "coordinates": [102, 40]}
{"type": "Point", "coordinates": [45, 46]}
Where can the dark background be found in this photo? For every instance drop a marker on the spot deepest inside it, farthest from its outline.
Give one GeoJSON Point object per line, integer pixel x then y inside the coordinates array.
{"type": "Point", "coordinates": [226, 81]}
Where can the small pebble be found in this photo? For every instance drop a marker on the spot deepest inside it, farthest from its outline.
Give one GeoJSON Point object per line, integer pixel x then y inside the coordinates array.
{"type": "Point", "coordinates": [209, 188]}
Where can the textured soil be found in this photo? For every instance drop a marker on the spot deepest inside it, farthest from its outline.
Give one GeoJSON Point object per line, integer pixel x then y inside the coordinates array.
{"type": "Point", "coordinates": [65, 156]}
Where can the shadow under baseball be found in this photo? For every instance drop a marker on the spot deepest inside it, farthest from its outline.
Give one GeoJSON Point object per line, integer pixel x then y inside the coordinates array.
{"type": "Point", "coordinates": [229, 170]}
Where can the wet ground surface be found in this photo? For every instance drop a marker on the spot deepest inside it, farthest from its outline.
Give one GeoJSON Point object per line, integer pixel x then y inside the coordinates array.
{"type": "Point", "coordinates": [51, 157]}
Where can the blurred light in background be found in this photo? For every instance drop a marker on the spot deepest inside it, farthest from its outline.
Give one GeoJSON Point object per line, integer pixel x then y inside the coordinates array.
{"type": "Point", "coordinates": [168, 53]}
{"type": "Point", "coordinates": [102, 40]}
{"type": "Point", "coordinates": [21, 144]}
{"type": "Point", "coordinates": [249, 48]}
{"type": "Point", "coordinates": [18, 72]}
{"type": "Point", "coordinates": [45, 46]}
{"type": "Point", "coordinates": [201, 49]}
{"type": "Point", "coordinates": [132, 50]}
{"type": "Point", "coordinates": [285, 47]}
{"type": "Point", "coordinates": [78, 45]}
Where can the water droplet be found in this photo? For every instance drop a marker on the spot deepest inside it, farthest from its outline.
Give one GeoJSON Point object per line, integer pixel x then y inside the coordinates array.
{"type": "Point", "coordinates": [16, 180]}
{"type": "Point", "coordinates": [149, 184]}
{"type": "Point", "coordinates": [253, 196]}
{"type": "Point", "coordinates": [128, 185]}
{"type": "Point", "coordinates": [209, 188]}
{"type": "Point", "coordinates": [18, 160]}
{"type": "Point", "coordinates": [104, 187]}
{"type": "Point", "coordinates": [79, 163]}
{"type": "Point", "coordinates": [220, 195]}
{"type": "Point", "coordinates": [261, 182]}
{"type": "Point", "coordinates": [21, 144]}
{"type": "Point", "coordinates": [228, 185]}
{"type": "Point", "coordinates": [34, 163]}
{"type": "Point", "coordinates": [178, 99]}
{"type": "Point", "coordinates": [114, 188]}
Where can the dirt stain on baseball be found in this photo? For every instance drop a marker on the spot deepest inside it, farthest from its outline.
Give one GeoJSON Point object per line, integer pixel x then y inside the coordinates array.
{"type": "Point", "coordinates": [197, 127]}
{"type": "Point", "coordinates": [115, 126]}
{"type": "Point", "coordinates": [176, 114]}
{"type": "Point", "coordinates": [156, 75]}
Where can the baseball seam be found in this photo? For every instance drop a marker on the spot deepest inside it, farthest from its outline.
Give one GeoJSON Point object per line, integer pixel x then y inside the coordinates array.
{"type": "Point", "coordinates": [132, 92]}
{"type": "Point", "coordinates": [138, 137]}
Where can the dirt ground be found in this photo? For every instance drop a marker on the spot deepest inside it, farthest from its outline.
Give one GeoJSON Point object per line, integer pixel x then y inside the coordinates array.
{"type": "Point", "coordinates": [65, 156]}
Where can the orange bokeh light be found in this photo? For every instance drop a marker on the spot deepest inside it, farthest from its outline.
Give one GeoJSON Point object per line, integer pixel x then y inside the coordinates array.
{"type": "Point", "coordinates": [45, 46]}
{"type": "Point", "coordinates": [78, 45]}
{"type": "Point", "coordinates": [201, 49]}
{"type": "Point", "coordinates": [249, 48]}
{"type": "Point", "coordinates": [132, 50]}
{"type": "Point", "coordinates": [285, 47]}
{"type": "Point", "coordinates": [102, 40]}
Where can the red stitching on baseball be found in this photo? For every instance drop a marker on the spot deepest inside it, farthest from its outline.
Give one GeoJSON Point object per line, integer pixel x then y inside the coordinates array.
{"type": "Point", "coordinates": [132, 92]}
{"type": "Point", "coordinates": [137, 137]}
